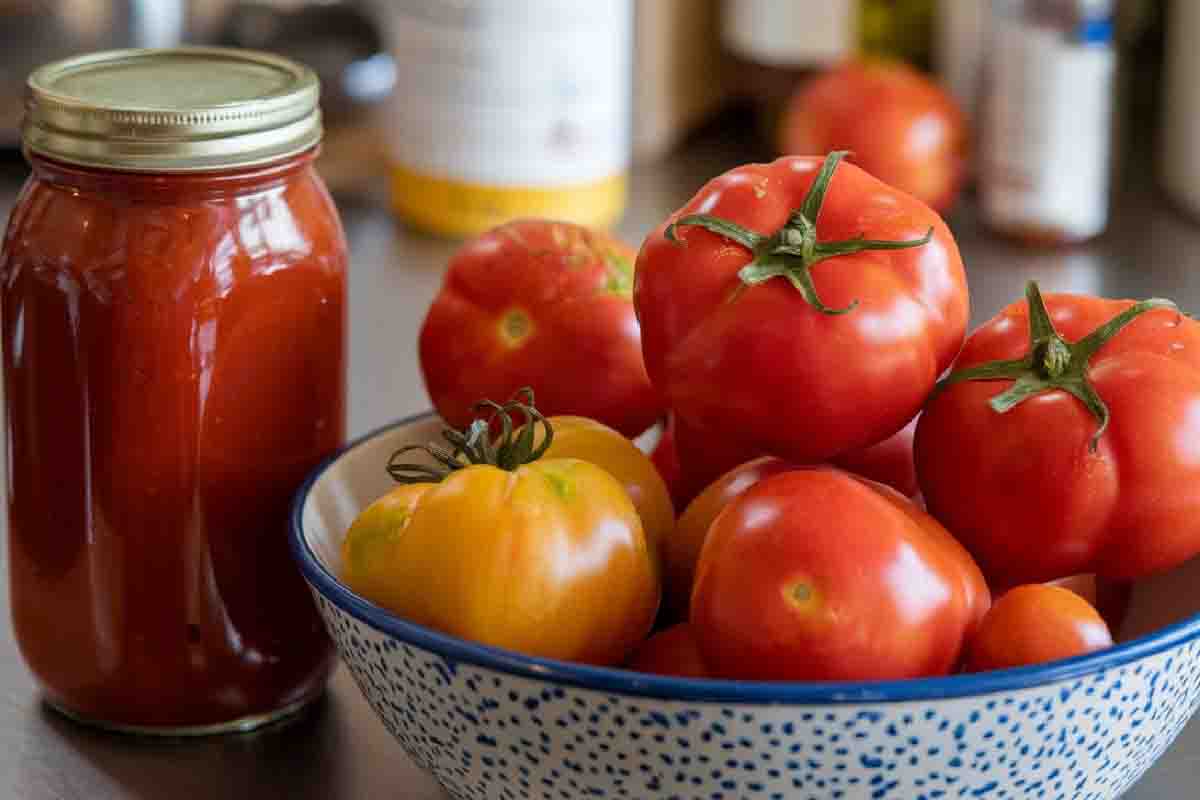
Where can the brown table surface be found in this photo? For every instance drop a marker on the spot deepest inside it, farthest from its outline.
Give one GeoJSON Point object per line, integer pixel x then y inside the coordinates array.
{"type": "Point", "coordinates": [340, 750]}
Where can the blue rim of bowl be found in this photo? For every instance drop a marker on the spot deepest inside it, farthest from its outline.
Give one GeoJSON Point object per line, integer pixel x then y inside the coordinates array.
{"type": "Point", "coordinates": [611, 680]}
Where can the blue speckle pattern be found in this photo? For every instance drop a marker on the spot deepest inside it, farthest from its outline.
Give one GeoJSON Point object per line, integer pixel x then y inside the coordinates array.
{"type": "Point", "coordinates": [487, 734]}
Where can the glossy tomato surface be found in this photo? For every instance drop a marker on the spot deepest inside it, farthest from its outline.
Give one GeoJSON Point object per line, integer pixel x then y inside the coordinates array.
{"type": "Point", "coordinates": [1025, 490]}
{"type": "Point", "coordinates": [901, 126]}
{"type": "Point", "coordinates": [672, 651]}
{"type": "Point", "coordinates": [548, 560]}
{"type": "Point", "coordinates": [589, 440]}
{"type": "Point", "coordinates": [1033, 624]}
{"type": "Point", "coordinates": [814, 574]}
{"type": "Point", "coordinates": [542, 304]}
{"type": "Point", "coordinates": [763, 365]}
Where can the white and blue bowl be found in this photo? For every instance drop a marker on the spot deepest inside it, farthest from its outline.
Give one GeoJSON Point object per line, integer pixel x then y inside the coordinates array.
{"type": "Point", "coordinates": [491, 723]}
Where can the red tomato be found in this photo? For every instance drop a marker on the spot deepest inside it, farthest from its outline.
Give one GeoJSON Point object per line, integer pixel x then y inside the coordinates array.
{"type": "Point", "coordinates": [815, 574]}
{"type": "Point", "coordinates": [1081, 458]}
{"type": "Point", "coordinates": [1033, 624]}
{"type": "Point", "coordinates": [670, 652]}
{"type": "Point", "coordinates": [542, 304]}
{"type": "Point", "coordinates": [901, 127]}
{"type": "Point", "coordinates": [767, 316]}
{"type": "Point", "coordinates": [680, 550]}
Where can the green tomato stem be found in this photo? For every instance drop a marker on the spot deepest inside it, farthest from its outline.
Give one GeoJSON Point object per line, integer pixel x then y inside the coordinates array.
{"type": "Point", "coordinates": [792, 250]}
{"type": "Point", "coordinates": [474, 445]}
{"type": "Point", "coordinates": [1052, 362]}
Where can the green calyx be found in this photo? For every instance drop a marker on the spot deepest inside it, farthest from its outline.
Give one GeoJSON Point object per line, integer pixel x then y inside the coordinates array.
{"type": "Point", "coordinates": [1052, 362]}
{"type": "Point", "coordinates": [792, 250]}
{"type": "Point", "coordinates": [475, 445]}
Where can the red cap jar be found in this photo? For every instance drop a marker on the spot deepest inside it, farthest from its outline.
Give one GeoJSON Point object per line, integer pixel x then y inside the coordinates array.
{"type": "Point", "coordinates": [174, 363]}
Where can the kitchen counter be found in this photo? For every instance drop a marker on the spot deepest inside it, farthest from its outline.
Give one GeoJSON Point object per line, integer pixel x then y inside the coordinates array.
{"type": "Point", "coordinates": [339, 749]}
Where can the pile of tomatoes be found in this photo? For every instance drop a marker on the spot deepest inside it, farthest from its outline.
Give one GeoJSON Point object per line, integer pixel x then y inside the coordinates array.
{"type": "Point", "coordinates": [856, 480]}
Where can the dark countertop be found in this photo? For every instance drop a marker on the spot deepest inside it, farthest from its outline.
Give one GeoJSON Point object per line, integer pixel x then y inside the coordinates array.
{"type": "Point", "coordinates": [339, 750]}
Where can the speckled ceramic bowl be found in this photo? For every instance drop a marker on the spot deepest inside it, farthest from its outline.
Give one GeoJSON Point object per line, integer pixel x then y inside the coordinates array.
{"type": "Point", "coordinates": [490, 723]}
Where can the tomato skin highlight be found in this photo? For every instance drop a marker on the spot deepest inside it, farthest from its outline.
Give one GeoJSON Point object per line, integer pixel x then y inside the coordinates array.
{"type": "Point", "coordinates": [902, 127]}
{"type": "Point", "coordinates": [764, 366]}
{"type": "Point", "coordinates": [814, 574]}
{"type": "Point", "coordinates": [592, 441]}
{"type": "Point", "coordinates": [1035, 624]}
{"type": "Point", "coordinates": [544, 304]}
{"type": "Point", "coordinates": [1027, 492]}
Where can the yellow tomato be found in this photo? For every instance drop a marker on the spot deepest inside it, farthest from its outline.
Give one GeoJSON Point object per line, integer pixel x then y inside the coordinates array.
{"type": "Point", "coordinates": [548, 559]}
{"type": "Point", "coordinates": [589, 440]}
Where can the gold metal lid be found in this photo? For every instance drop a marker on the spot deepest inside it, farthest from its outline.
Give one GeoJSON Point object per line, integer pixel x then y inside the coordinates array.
{"type": "Point", "coordinates": [183, 109]}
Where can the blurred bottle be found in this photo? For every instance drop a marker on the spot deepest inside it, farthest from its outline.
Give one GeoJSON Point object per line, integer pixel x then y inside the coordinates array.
{"type": "Point", "coordinates": [1047, 119]}
{"type": "Point", "coordinates": [900, 29]}
{"type": "Point", "coordinates": [961, 42]}
{"type": "Point", "coordinates": [508, 108]}
{"type": "Point", "coordinates": [775, 44]}
{"type": "Point", "coordinates": [1179, 157]}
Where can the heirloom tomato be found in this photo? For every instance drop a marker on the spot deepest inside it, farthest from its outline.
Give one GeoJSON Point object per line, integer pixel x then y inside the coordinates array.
{"type": "Point", "coordinates": [803, 308]}
{"type": "Point", "coordinates": [901, 126]}
{"type": "Point", "coordinates": [498, 545]}
{"type": "Point", "coordinates": [1033, 624]}
{"type": "Point", "coordinates": [1067, 440]}
{"type": "Point", "coordinates": [672, 651]}
{"type": "Point", "coordinates": [589, 440]}
{"type": "Point", "coordinates": [815, 574]}
{"type": "Point", "coordinates": [542, 304]}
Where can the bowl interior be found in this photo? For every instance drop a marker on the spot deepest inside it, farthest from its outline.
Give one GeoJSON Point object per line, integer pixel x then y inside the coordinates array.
{"type": "Point", "coordinates": [1163, 610]}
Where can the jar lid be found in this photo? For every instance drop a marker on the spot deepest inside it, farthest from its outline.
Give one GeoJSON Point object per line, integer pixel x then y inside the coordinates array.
{"type": "Point", "coordinates": [184, 109]}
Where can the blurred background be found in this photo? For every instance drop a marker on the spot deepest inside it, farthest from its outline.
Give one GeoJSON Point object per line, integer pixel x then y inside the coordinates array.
{"type": "Point", "coordinates": [459, 114]}
{"type": "Point", "coordinates": [1060, 138]}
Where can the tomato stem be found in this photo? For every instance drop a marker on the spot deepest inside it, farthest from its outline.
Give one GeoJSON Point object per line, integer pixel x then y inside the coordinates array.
{"type": "Point", "coordinates": [792, 251]}
{"type": "Point", "coordinates": [1052, 362]}
{"type": "Point", "coordinates": [475, 445]}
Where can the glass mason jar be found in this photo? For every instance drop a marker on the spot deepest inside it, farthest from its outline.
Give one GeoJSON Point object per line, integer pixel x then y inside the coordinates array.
{"type": "Point", "coordinates": [174, 363]}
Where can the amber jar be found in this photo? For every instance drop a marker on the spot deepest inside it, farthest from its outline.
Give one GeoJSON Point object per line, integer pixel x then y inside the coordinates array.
{"type": "Point", "coordinates": [174, 363]}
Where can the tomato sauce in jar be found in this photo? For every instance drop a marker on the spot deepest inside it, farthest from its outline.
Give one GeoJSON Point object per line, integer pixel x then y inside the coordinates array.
{"type": "Point", "coordinates": [174, 364]}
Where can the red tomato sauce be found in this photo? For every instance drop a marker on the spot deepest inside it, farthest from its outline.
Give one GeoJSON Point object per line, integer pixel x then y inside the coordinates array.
{"type": "Point", "coordinates": [173, 366]}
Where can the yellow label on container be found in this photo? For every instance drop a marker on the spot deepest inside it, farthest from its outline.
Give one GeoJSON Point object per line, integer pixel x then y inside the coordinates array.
{"type": "Point", "coordinates": [457, 208]}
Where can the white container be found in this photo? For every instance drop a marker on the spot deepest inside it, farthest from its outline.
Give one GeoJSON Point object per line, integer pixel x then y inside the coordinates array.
{"type": "Point", "coordinates": [509, 108]}
{"type": "Point", "coordinates": [1047, 121]}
